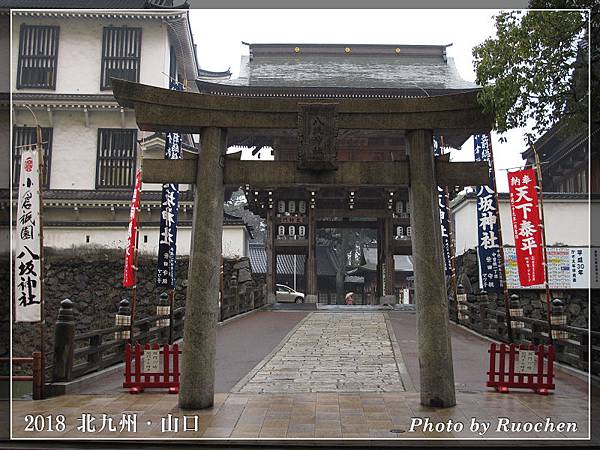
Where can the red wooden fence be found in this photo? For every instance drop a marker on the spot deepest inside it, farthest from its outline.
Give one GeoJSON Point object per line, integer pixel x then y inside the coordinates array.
{"type": "Point", "coordinates": [502, 377]}
{"type": "Point", "coordinates": [137, 380]}
{"type": "Point", "coordinates": [37, 377]}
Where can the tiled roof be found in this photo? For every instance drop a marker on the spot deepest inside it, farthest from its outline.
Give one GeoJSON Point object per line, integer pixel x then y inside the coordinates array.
{"type": "Point", "coordinates": [96, 194]}
{"type": "Point", "coordinates": [419, 70]}
{"type": "Point", "coordinates": [326, 265]}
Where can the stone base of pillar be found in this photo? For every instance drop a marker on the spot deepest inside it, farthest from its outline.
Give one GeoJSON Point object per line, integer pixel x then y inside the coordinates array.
{"type": "Point", "coordinates": [310, 298]}
{"type": "Point", "coordinates": [271, 298]}
{"type": "Point", "coordinates": [389, 299]}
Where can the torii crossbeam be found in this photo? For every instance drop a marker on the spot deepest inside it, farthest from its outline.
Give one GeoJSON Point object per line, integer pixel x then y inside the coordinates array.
{"type": "Point", "coordinates": [221, 110]}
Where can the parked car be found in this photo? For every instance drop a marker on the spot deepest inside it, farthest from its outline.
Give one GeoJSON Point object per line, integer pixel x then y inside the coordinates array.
{"type": "Point", "coordinates": [287, 294]}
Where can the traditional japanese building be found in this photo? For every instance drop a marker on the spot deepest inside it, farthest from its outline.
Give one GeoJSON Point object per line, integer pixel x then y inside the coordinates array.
{"type": "Point", "coordinates": [327, 71]}
{"type": "Point", "coordinates": [61, 68]}
{"type": "Point", "coordinates": [564, 158]}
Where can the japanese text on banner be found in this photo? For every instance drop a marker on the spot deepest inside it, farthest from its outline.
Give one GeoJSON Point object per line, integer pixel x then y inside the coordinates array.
{"type": "Point", "coordinates": [444, 215]}
{"type": "Point", "coordinates": [28, 300]}
{"type": "Point", "coordinates": [129, 269]}
{"type": "Point", "coordinates": [488, 247]}
{"type": "Point", "coordinates": [526, 226]}
{"type": "Point", "coordinates": [169, 206]}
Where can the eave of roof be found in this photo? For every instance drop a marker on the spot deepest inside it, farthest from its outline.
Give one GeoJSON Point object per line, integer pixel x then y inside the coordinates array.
{"type": "Point", "coordinates": [550, 196]}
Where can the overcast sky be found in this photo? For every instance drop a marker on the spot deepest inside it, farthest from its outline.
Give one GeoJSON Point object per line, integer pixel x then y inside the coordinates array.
{"type": "Point", "coordinates": [219, 33]}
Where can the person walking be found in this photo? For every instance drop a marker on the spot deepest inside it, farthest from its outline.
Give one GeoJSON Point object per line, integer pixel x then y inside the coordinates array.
{"type": "Point", "coordinates": [349, 299]}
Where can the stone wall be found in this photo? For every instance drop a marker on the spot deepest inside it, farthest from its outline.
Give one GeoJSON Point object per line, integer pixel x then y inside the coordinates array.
{"type": "Point", "coordinates": [93, 281]}
{"type": "Point", "coordinates": [533, 301]}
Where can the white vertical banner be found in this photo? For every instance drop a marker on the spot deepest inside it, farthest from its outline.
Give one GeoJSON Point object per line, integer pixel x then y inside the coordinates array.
{"type": "Point", "coordinates": [27, 271]}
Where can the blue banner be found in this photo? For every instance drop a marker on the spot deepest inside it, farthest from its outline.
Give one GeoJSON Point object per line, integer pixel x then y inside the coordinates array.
{"type": "Point", "coordinates": [488, 248]}
{"type": "Point", "coordinates": [444, 216]}
{"type": "Point", "coordinates": [169, 205]}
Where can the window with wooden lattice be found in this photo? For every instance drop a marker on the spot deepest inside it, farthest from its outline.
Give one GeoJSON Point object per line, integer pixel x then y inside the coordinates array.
{"type": "Point", "coordinates": [38, 56]}
{"type": "Point", "coordinates": [121, 52]}
{"type": "Point", "coordinates": [116, 158]}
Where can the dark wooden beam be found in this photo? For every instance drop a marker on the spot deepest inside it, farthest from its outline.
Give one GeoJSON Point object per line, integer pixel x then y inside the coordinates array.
{"type": "Point", "coordinates": [284, 173]}
{"type": "Point", "coordinates": [346, 224]}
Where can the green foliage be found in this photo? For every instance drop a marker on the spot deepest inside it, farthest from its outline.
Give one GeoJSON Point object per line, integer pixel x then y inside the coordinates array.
{"type": "Point", "coordinates": [535, 69]}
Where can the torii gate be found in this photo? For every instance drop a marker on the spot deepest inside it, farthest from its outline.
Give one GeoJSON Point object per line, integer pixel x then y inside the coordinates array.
{"type": "Point", "coordinates": [317, 116]}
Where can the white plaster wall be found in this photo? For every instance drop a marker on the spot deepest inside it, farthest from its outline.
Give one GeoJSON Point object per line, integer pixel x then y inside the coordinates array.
{"type": "Point", "coordinates": [567, 222]}
{"type": "Point", "coordinates": [80, 52]}
{"type": "Point", "coordinates": [234, 239]}
{"type": "Point", "coordinates": [74, 146]}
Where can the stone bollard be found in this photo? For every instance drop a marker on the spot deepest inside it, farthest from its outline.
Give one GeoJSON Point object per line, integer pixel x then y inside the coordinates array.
{"type": "Point", "coordinates": [123, 320]}
{"type": "Point", "coordinates": [558, 317]}
{"type": "Point", "coordinates": [64, 340]}
{"type": "Point", "coordinates": [515, 310]}
{"type": "Point", "coordinates": [461, 304]}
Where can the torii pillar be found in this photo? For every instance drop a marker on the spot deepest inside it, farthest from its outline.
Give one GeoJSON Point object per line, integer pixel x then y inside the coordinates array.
{"type": "Point", "coordinates": [433, 336]}
{"type": "Point", "coordinates": [201, 308]}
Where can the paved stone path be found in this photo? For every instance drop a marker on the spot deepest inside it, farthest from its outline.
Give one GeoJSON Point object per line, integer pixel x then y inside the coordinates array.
{"type": "Point", "coordinates": [366, 415]}
{"type": "Point", "coordinates": [331, 352]}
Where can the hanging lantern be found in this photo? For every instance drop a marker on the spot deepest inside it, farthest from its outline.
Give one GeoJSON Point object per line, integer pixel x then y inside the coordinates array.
{"type": "Point", "coordinates": [399, 207]}
{"type": "Point", "coordinates": [302, 207]}
{"type": "Point", "coordinates": [280, 230]}
{"type": "Point", "coordinates": [292, 230]}
{"type": "Point", "coordinates": [292, 206]}
{"type": "Point", "coordinates": [302, 230]}
{"type": "Point", "coordinates": [281, 206]}
{"type": "Point", "coordinates": [399, 231]}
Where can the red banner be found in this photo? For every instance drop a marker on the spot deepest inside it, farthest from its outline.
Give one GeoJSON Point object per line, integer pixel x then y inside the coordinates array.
{"type": "Point", "coordinates": [526, 226]}
{"type": "Point", "coordinates": [129, 270]}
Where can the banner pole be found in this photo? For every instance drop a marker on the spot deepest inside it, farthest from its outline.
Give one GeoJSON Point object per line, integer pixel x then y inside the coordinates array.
{"type": "Point", "coordinates": [538, 171]}
{"type": "Point", "coordinates": [501, 246]}
{"type": "Point", "coordinates": [38, 139]}
{"type": "Point", "coordinates": [451, 241]}
{"type": "Point", "coordinates": [135, 277]}
{"type": "Point", "coordinates": [171, 314]}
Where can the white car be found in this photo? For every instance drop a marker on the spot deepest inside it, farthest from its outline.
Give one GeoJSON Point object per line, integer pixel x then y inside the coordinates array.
{"type": "Point", "coordinates": [287, 294]}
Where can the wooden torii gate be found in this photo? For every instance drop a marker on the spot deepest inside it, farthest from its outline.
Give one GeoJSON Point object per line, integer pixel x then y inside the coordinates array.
{"type": "Point", "coordinates": [317, 118]}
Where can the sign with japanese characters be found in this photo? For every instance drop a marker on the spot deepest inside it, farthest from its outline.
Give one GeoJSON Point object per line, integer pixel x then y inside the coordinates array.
{"type": "Point", "coordinates": [151, 361]}
{"type": "Point", "coordinates": [488, 248]}
{"type": "Point", "coordinates": [526, 362]}
{"type": "Point", "coordinates": [568, 268]}
{"type": "Point", "coordinates": [169, 206]}
{"type": "Point", "coordinates": [444, 215]}
{"type": "Point", "coordinates": [129, 269]}
{"type": "Point", "coordinates": [28, 287]}
{"type": "Point", "coordinates": [526, 226]}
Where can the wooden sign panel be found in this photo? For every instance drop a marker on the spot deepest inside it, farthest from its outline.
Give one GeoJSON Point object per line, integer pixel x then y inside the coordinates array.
{"type": "Point", "coordinates": [317, 133]}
